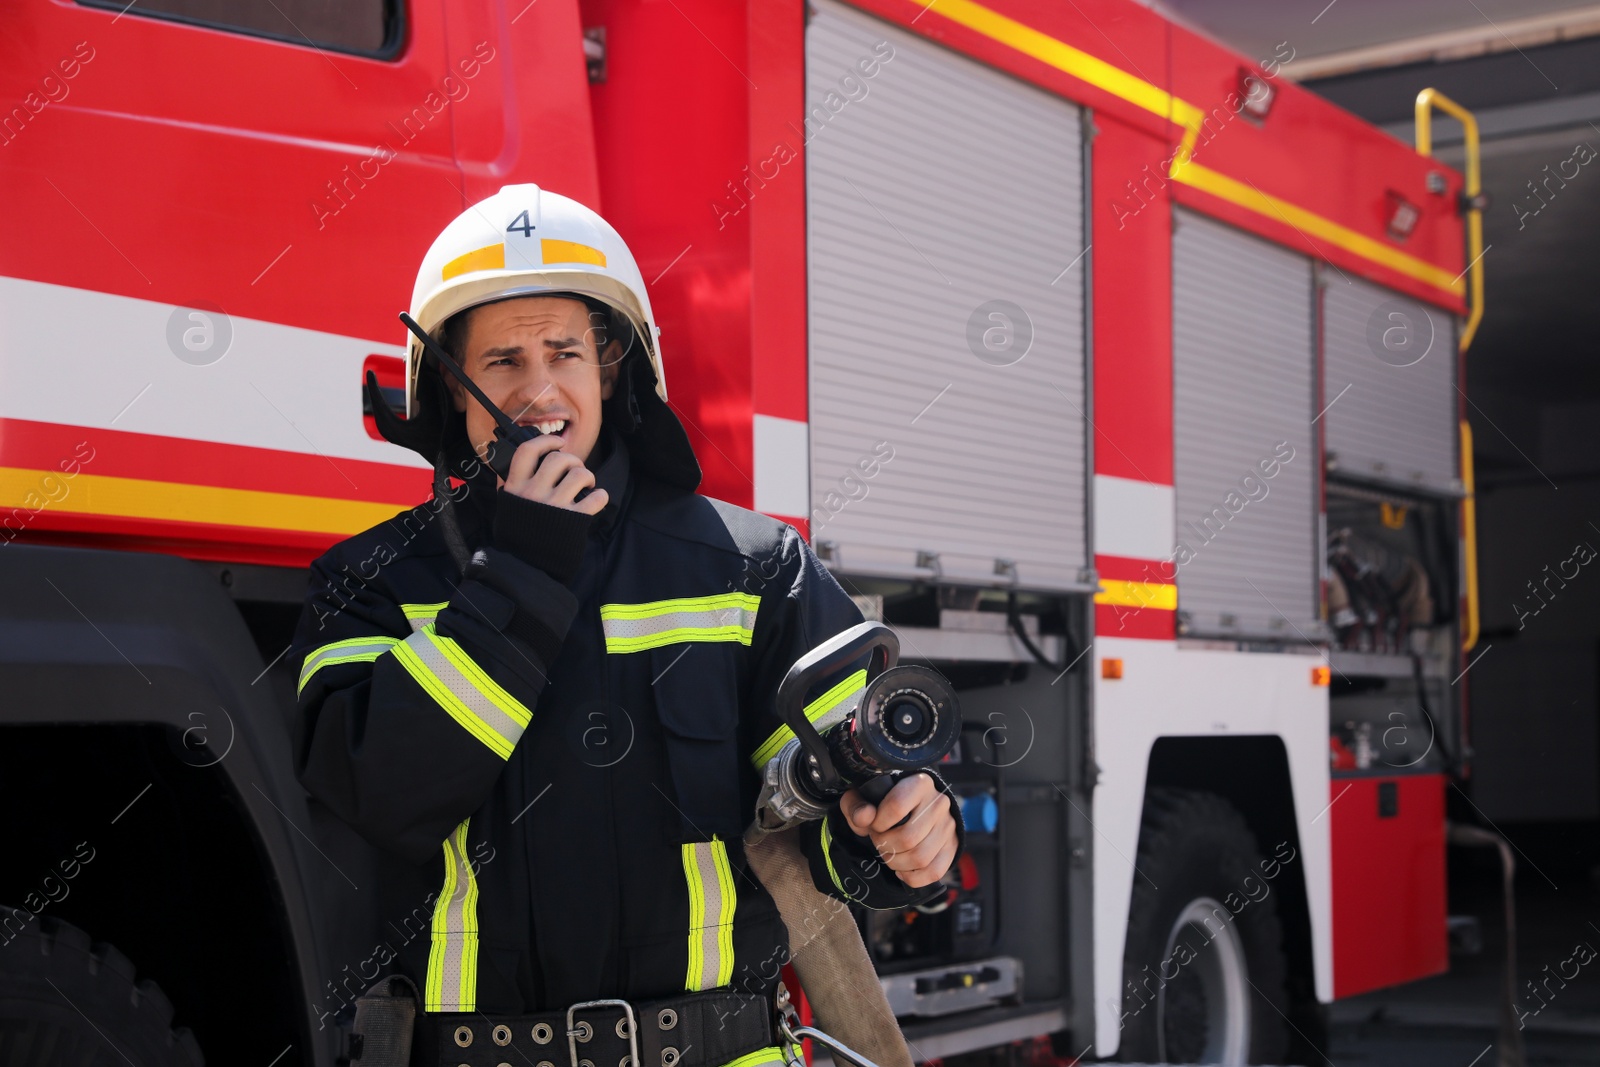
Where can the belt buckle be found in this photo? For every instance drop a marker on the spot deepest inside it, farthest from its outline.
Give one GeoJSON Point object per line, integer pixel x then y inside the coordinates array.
{"type": "Point", "coordinates": [573, 1030]}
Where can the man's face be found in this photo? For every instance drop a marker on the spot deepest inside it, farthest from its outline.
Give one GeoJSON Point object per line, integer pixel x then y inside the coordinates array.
{"type": "Point", "coordinates": [536, 358]}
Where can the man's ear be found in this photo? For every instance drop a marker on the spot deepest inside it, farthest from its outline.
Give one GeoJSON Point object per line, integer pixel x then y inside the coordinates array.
{"type": "Point", "coordinates": [610, 366]}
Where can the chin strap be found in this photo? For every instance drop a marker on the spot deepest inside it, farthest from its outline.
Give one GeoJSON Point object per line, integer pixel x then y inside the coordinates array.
{"type": "Point", "coordinates": [453, 540]}
{"type": "Point", "coordinates": [422, 435]}
{"type": "Point", "coordinates": [622, 410]}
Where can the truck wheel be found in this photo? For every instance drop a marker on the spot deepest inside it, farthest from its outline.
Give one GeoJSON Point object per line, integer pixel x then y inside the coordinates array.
{"type": "Point", "coordinates": [65, 1002]}
{"type": "Point", "coordinates": [1204, 971]}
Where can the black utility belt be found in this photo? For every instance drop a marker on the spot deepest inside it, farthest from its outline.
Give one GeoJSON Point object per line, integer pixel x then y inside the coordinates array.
{"type": "Point", "coordinates": [694, 1030]}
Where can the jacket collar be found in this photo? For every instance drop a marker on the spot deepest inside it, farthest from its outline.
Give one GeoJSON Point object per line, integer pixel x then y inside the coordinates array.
{"type": "Point", "coordinates": [614, 475]}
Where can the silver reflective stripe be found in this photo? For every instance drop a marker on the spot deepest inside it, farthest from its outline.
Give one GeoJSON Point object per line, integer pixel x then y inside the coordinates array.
{"type": "Point", "coordinates": [461, 687]}
{"type": "Point", "coordinates": [420, 615]}
{"type": "Point", "coordinates": [350, 650]}
{"type": "Point", "coordinates": [712, 900]}
{"type": "Point", "coordinates": [722, 617]}
{"type": "Point", "coordinates": [452, 983]}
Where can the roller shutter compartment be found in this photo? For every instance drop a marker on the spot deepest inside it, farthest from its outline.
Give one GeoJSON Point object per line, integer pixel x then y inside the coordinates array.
{"type": "Point", "coordinates": [1389, 378]}
{"type": "Point", "coordinates": [945, 242]}
{"type": "Point", "coordinates": [1244, 465]}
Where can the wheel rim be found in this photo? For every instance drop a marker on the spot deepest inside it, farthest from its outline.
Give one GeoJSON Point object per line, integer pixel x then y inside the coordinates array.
{"type": "Point", "coordinates": [1203, 1002]}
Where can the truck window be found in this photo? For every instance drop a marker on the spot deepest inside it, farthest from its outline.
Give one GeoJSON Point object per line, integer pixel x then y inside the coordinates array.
{"type": "Point", "coordinates": [365, 27]}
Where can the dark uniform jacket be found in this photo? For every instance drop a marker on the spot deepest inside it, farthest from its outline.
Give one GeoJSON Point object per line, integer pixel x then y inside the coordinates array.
{"type": "Point", "coordinates": [561, 746]}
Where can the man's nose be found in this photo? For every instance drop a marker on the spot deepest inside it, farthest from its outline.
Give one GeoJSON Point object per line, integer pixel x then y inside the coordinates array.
{"type": "Point", "coordinates": [534, 386]}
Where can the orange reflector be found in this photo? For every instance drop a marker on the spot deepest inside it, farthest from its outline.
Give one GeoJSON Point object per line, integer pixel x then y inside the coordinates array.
{"type": "Point", "coordinates": [489, 257]}
{"type": "Point", "coordinates": [570, 252]}
{"type": "Point", "coordinates": [1321, 675]}
{"type": "Point", "coordinates": [1111, 667]}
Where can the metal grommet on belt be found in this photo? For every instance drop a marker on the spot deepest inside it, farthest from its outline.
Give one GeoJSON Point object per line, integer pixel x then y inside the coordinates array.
{"type": "Point", "coordinates": [667, 1019]}
{"type": "Point", "coordinates": [583, 1031]}
{"type": "Point", "coordinates": [502, 1035]}
{"type": "Point", "coordinates": [626, 1061]}
{"type": "Point", "coordinates": [463, 1036]}
{"type": "Point", "coordinates": [669, 1056]}
{"type": "Point", "coordinates": [585, 1063]}
{"type": "Point", "coordinates": [544, 1063]}
{"type": "Point", "coordinates": [622, 1028]}
{"type": "Point", "coordinates": [542, 1033]}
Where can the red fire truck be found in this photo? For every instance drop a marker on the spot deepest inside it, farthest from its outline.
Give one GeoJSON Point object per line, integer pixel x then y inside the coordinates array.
{"type": "Point", "coordinates": [1115, 371]}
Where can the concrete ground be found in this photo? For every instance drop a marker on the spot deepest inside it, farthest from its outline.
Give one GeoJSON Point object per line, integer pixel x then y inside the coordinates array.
{"type": "Point", "coordinates": [1451, 1020]}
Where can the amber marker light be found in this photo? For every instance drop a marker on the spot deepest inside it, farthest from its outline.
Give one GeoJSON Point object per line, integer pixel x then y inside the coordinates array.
{"type": "Point", "coordinates": [1111, 667]}
{"type": "Point", "coordinates": [1321, 675]}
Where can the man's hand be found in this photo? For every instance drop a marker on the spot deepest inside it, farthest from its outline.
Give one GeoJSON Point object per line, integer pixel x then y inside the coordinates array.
{"type": "Point", "coordinates": [920, 851]}
{"type": "Point", "coordinates": [557, 481]}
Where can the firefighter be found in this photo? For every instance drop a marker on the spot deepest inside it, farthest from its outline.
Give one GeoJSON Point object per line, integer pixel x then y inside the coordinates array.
{"type": "Point", "coordinates": [549, 697]}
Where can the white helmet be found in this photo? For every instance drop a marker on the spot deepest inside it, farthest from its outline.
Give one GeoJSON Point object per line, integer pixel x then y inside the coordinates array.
{"type": "Point", "coordinates": [523, 241]}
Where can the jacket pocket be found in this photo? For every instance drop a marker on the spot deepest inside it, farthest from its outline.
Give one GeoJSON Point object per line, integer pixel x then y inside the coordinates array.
{"type": "Point", "coordinates": [695, 691]}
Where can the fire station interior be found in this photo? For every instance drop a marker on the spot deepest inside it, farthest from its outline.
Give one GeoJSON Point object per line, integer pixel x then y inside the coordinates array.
{"type": "Point", "coordinates": [1531, 75]}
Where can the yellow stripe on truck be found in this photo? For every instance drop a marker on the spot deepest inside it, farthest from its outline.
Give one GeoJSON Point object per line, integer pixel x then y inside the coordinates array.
{"type": "Point", "coordinates": [1248, 196]}
{"type": "Point", "coordinates": [1137, 594]}
{"type": "Point", "coordinates": [1119, 83]}
{"type": "Point", "coordinates": [141, 498]}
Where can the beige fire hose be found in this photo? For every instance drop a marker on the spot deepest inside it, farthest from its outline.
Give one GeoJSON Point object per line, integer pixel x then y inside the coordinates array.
{"type": "Point", "coordinates": [828, 955]}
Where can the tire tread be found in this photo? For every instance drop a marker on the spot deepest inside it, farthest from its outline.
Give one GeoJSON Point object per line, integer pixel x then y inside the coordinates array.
{"type": "Point", "coordinates": [53, 974]}
{"type": "Point", "coordinates": [1170, 817]}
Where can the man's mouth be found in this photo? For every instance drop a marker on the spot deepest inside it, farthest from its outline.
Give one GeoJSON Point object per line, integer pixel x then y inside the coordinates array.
{"type": "Point", "coordinates": [554, 426]}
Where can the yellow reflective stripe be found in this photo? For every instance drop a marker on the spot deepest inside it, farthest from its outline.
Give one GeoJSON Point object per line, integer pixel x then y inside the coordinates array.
{"type": "Point", "coordinates": [654, 608]}
{"type": "Point", "coordinates": [1137, 594]}
{"type": "Point", "coordinates": [712, 903]}
{"type": "Point", "coordinates": [697, 919]}
{"type": "Point", "coordinates": [679, 635]}
{"type": "Point", "coordinates": [459, 686]}
{"type": "Point", "coordinates": [452, 983]}
{"type": "Point", "coordinates": [834, 698]}
{"type": "Point", "coordinates": [757, 1058]}
{"type": "Point", "coordinates": [730, 898]}
{"type": "Point", "coordinates": [419, 615]}
{"type": "Point", "coordinates": [827, 858]}
{"type": "Point", "coordinates": [350, 650]}
{"type": "Point", "coordinates": [723, 617]}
